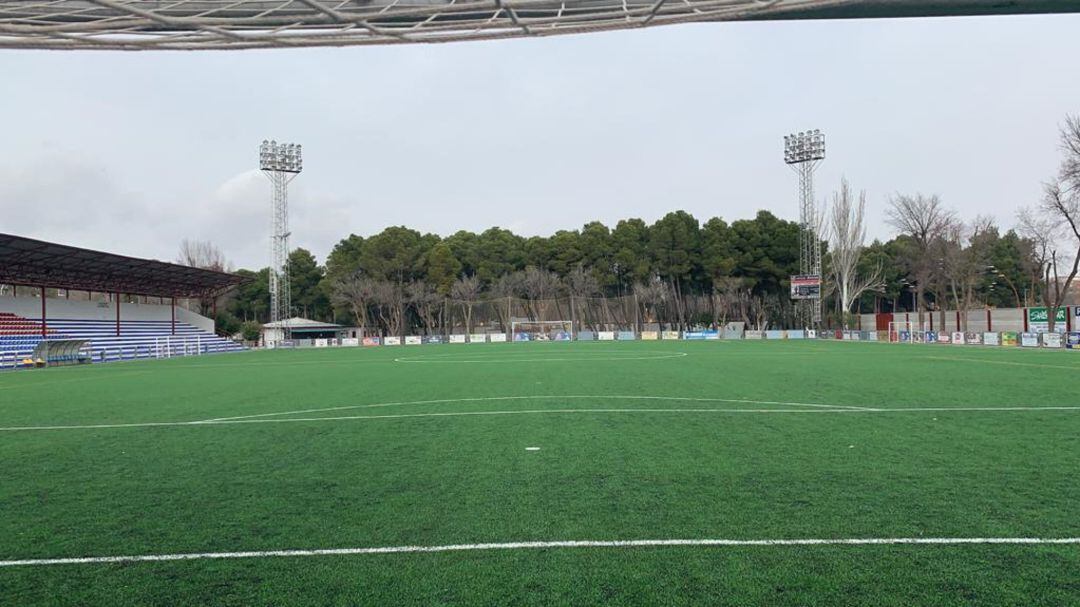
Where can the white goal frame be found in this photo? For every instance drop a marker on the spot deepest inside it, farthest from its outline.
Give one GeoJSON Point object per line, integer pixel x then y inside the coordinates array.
{"type": "Point", "coordinates": [567, 325]}
{"type": "Point", "coordinates": [895, 328]}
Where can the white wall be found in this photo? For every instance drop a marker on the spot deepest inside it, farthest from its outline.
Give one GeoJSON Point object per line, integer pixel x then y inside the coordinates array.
{"type": "Point", "coordinates": [64, 309]}
{"type": "Point", "coordinates": [1001, 319]}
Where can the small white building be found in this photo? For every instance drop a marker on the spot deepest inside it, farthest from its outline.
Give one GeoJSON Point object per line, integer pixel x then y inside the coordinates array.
{"type": "Point", "coordinates": [303, 330]}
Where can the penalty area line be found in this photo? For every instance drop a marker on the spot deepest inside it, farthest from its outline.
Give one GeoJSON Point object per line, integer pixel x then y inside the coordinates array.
{"type": "Point", "coordinates": [888, 541]}
{"type": "Point", "coordinates": [293, 420]}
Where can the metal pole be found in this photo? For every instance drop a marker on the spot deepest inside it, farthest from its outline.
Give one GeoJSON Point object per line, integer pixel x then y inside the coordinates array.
{"type": "Point", "coordinates": [44, 327]}
{"type": "Point", "coordinates": [172, 310]}
{"type": "Point", "coordinates": [117, 296]}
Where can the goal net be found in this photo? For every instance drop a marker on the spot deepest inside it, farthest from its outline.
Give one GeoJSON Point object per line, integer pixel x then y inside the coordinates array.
{"type": "Point", "coordinates": [542, 330]}
{"type": "Point", "coordinates": [903, 332]}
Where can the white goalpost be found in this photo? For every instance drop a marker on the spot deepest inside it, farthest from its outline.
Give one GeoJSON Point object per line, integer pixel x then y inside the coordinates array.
{"type": "Point", "coordinates": [903, 332]}
{"type": "Point", "coordinates": [542, 330]}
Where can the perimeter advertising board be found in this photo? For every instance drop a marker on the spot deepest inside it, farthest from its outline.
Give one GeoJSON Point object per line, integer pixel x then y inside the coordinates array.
{"type": "Point", "coordinates": [1051, 340]}
{"type": "Point", "coordinates": [991, 339]}
{"type": "Point", "coordinates": [626, 336]}
{"type": "Point", "coordinates": [350, 341]}
{"type": "Point", "coordinates": [391, 340]}
{"type": "Point", "coordinates": [605, 335]}
{"type": "Point", "coordinates": [958, 338]}
{"type": "Point", "coordinates": [434, 339]}
{"type": "Point", "coordinates": [478, 338]}
{"type": "Point", "coordinates": [1072, 340]}
{"type": "Point", "coordinates": [806, 286]}
{"type": "Point", "coordinates": [413, 340]}
{"type": "Point", "coordinates": [497, 337]}
{"type": "Point", "coordinates": [755, 335]}
{"type": "Point", "coordinates": [1009, 338]}
{"type": "Point", "coordinates": [370, 341]}
{"type": "Point", "coordinates": [458, 338]}
{"type": "Point", "coordinates": [972, 338]}
{"type": "Point", "coordinates": [650, 335]}
{"type": "Point", "coordinates": [669, 335]}
{"type": "Point", "coordinates": [1029, 340]}
{"type": "Point", "coordinates": [699, 335]}
{"type": "Point", "coordinates": [1039, 320]}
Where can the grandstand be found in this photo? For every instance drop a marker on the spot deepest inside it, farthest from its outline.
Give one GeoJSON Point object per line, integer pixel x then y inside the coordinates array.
{"type": "Point", "coordinates": [112, 328]}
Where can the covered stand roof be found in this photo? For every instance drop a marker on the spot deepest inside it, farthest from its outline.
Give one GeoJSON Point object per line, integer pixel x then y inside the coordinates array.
{"type": "Point", "coordinates": [35, 263]}
{"type": "Point", "coordinates": [243, 24]}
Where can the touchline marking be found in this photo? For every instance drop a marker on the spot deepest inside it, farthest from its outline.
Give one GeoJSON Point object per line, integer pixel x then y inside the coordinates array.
{"type": "Point", "coordinates": [501, 360]}
{"type": "Point", "coordinates": [540, 397]}
{"type": "Point", "coordinates": [1004, 362]}
{"type": "Point", "coordinates": [874, 541]}
{"type": "Point", "coordinates": [288, 420]}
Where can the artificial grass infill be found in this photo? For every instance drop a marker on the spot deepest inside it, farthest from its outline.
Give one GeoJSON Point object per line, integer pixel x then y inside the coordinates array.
{"type": "Point", "coordinates": [426, 446]}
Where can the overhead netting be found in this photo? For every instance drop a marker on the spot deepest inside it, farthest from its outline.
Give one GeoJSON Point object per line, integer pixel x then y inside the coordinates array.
{"type": "Point", "coordinates": [239, 24]}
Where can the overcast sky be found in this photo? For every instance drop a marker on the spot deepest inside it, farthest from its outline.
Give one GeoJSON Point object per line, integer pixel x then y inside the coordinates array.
{"type": "Point", "coordinates": [132, 152]}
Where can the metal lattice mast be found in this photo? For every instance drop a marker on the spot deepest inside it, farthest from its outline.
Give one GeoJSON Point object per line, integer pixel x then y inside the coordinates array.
{"type": "Point", "coordinates": [281, 163]}
{"type": "Point", "coordinates": [804, 153]}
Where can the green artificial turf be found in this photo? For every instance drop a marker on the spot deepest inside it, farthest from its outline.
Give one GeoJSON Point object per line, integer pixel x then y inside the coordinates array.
{"type": "Point", "coordinates": [759, 449]}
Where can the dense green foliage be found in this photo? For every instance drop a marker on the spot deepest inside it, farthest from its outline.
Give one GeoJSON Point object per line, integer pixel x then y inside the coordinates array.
{"type": "Point", "coordinates": [743, 266]}
{"type": "Point", "coordinates": [634, 468]}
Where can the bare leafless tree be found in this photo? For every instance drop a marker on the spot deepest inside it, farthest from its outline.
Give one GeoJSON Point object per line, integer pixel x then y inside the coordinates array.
{"type": "Point", "coordinates": [653, 298]}
{"type": "Point", "coordinates": [207, 256]}
{"type": "Point", "coordinates": [465, 291]}
{"type": "Point", "coordinates": [426, 302]}
{"type": "Point", "coordinates": [540, 285]}
{"type": "Point", "coordinates": [202, 254]}
{"type": "Point", "coordinates": [924, 220]}
{"type": "Point", "coordinates": [389, 298]}
{"type": "Point", "coordinates": [356, 293]}
{"type": "Point", "coordinates": [847, 237]}
{"type": "Point", "coordinates": [1054, 226]}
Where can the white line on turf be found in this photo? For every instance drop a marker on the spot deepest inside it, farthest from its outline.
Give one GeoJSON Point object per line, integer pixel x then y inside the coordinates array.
{"type": "Point", "coordinates": [871, 541]}
{"type": "Point", "coordinates": [288, 420]}
{"type": "Point", "coordinates": [433, 360]}
{"type": "Point", "coordinates": [743, 401]}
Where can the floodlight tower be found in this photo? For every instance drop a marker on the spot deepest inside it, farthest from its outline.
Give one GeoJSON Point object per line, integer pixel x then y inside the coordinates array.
{"type": "Point", "coordinates": [281, 163]}
{"type": "Point", "coordinates": [803, 152]}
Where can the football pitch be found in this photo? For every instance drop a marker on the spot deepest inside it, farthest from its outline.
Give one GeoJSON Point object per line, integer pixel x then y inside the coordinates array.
{"type": "Point", "coordinates": [638, 473]}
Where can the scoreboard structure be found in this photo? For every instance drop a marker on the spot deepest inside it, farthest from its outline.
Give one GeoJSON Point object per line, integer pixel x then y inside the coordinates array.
{"type": "Point", "coordinates": [806, 286]}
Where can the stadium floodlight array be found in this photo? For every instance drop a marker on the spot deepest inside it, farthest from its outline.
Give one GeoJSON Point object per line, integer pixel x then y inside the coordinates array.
{"type": "Point", "coordinates": [803, 152]}
{"type": "Point", "coordinates": [281, 163]}
{"type": "Point", "coordinates": [285, 157]}
{"type": "Point", "coordinates": [243, 24]}
{"type": "Point", "coordinates": [807, 146]}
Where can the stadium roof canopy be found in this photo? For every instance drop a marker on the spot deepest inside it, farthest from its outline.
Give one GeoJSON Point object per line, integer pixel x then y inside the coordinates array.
{"type": "Point", "coordinates": [243, 24]}
{"type": "Point", "coordinates": [34, 263]}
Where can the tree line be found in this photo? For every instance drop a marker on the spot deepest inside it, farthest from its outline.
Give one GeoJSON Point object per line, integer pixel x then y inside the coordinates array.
{"type": "Point", "coordinates": [680, 272]}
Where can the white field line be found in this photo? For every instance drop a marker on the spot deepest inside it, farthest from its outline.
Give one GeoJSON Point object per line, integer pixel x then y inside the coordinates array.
{"type": "Point", "coordinates": [1004, 362]}
{"type": "Point", "coordinates": [536, 360]}
{"type": "Point", "coordinates": [875, 541]}
{"type": "Point", "coordinates": [288, 420]}
{"type": "Point", "coordinates": [742, 401]}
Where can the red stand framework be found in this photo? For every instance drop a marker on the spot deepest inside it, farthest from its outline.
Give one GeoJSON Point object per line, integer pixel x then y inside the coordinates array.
{"type": "Point", "coordinates": [25, 262]}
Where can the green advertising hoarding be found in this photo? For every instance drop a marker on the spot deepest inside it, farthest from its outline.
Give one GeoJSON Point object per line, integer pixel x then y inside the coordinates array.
{"type": "Point", "coordinates": [1038, 319]}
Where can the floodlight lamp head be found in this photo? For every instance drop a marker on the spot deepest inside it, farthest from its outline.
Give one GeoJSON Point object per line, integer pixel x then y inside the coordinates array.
{"type": "Point", "coordinates": [284, 157]}
{"type": "Point", "coordinates": [804, 146]}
